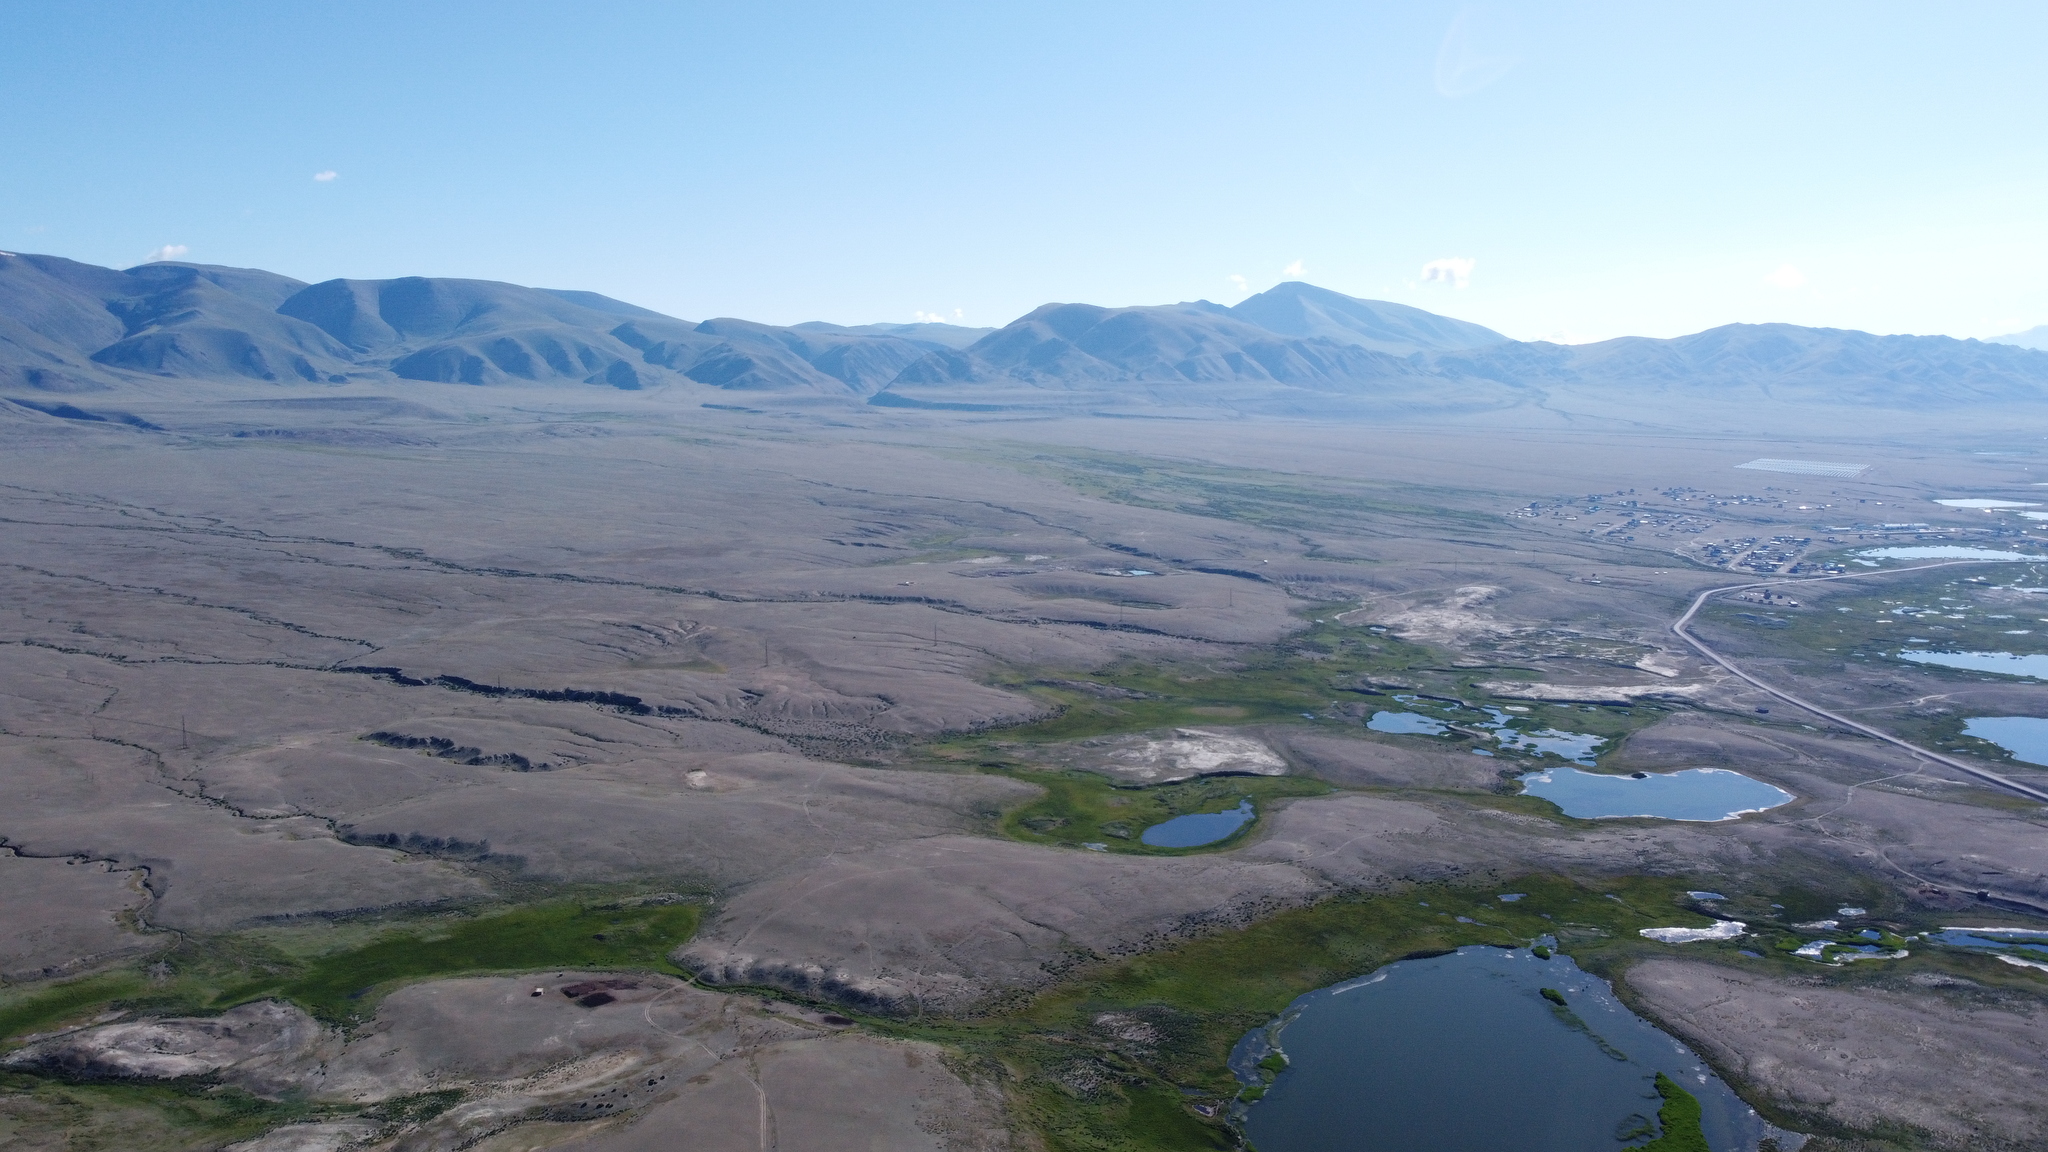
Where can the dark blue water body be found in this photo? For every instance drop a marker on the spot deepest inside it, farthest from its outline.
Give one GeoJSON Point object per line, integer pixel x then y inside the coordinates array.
{"type": "Point", "coordinates": [1460, 1053]}
{"type": "Point", "coordinates": [1197, 829]}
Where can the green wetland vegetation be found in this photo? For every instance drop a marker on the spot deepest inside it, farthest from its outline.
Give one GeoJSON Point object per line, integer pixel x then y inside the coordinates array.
{"type": "Point", "coordinates": [1328, 673]}
{"type": "Point", "coordinates": [1084, 808]}
{"type": "Point", "coordinates": [1967, 608]}
{"type": "Point", "coordinates": [339, 971]}
{"type": "Point", "coordinates": [1862, 626]}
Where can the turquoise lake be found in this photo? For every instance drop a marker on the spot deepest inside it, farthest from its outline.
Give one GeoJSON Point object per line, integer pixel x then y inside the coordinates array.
{"type": "Point", "coordinates": [2026, 737]}
{"type": "Point", "coordinates": [1704, 794]}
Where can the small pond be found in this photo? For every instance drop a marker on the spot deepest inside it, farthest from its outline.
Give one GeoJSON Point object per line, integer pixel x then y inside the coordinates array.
{"type": "Point", "coordinates": [1943, 552]}
{"type": "Point", "coordinates": [2002, 663]}
{"type": "Point", "coordinates": [1461, 1053]}
{"type": "Point", "coordinates": [1577, 747]}
{"type": "Point", "coordinates": [2026, 737]}
{"type": "Point", "coordinates": [2026, 942]}
{"type": "Point", "coordinates": [1694, 794]}
{"type": "Point", "coordinates": [1199, 828]}
{"type": "Point", "coordinates": [1407, 724]}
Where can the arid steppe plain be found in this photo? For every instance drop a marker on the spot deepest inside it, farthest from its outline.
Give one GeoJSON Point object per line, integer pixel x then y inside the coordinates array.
{"type": "Point", "coordinates": [287, 678]}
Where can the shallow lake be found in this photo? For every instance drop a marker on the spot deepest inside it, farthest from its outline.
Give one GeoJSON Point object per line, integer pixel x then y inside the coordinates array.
{"type": "Point", "coordinates": [1460, 1053]}
{"type": "Point", "coordinates": [1407, 724]}
{"type": "Point", "coordinates": [1197, 829]}
{"type": "Point", "coordinates": [1694, 794]}
{"type": "Point", "coordinates": [2026, 737]}
{"type": "Point", "coordinates": [2003, 663]}
{"type": "Point", "coordinates": [1578, 747]}
{"type": "Point", "coordinates": [1943, 552]}
{"type": "Point", "coordinates": [2022, 941]}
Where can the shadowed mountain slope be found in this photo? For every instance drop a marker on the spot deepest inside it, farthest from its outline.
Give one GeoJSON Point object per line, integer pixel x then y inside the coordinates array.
{"type": "Point", "coordinates": [67, 327]}
{"type": "Point", "coordinates": [72, 327]}
{"type": "Point", "coordinates": [62, 323]}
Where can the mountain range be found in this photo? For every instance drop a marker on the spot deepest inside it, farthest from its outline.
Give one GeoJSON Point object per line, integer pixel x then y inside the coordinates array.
{"type": "Point", "coordinates": [2035, 337]}
{"type": "Point", "coordinates": [69, 328]}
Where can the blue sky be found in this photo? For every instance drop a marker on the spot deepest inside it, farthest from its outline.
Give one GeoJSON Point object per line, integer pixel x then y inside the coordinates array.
{"type": "Point", "coordinates": [1564, 171]}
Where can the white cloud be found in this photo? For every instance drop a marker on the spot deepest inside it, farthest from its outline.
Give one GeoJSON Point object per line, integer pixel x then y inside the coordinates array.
{"type": "Point", "coordinates": [938, 317]}
{"type": "Point", "coordinates": [1293, 271]}
{"type": "Point", "coordinates": [167, 252]}
{"type": "Point", "coordinates": [1242, 285]}
{"type": "Point", "coordinates": [1786, 277]}
{"type": "Point", "coordinates": [327, 176]}
{"type": "Point", "coordinates": [1453, 270]}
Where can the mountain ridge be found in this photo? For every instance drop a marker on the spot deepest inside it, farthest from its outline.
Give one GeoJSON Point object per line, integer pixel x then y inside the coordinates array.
{"type": "Point", "coordinates": [69, 327]}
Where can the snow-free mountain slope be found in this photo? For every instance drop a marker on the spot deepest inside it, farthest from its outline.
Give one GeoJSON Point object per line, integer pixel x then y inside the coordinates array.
{"type": "Point", "coordinates": [1295, 308]}
{"type": "Point", "coordinates": [1200, 342]}
{"type": "Point", "coordinates": [2035, 337]}
{"type": "Point", "coordinates": [929, 333]}
{"type": "Point", "coordinates": [1297, 350]}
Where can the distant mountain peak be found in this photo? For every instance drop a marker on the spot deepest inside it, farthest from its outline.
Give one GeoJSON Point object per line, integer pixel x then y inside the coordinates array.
{"type": "Point", "coordinates": [1300, 309]}
{"type": "Point", "coordinates": [2035, 338]}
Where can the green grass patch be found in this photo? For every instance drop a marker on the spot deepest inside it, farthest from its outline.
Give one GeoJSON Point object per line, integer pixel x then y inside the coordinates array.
{"type": "Point", "coordinates": [346, 985]}
{"type": "Point", "coordinates": [138, 1117]}
{"type": "Point", "coordinates": [1679, 1119]}
{"type": "Point", "coordinates": [1307, 672]}
{"type": "Point", "coordinates": [339, 972]}
{"type": "Point", "coordinates": [40, 1007]}
{"type": "Point", "coordinates": [1084, 808]}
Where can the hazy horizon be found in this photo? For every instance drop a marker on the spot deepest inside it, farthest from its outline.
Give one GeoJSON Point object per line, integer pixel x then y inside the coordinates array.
{"type": "Point", "coordinates": [1568, 176]}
